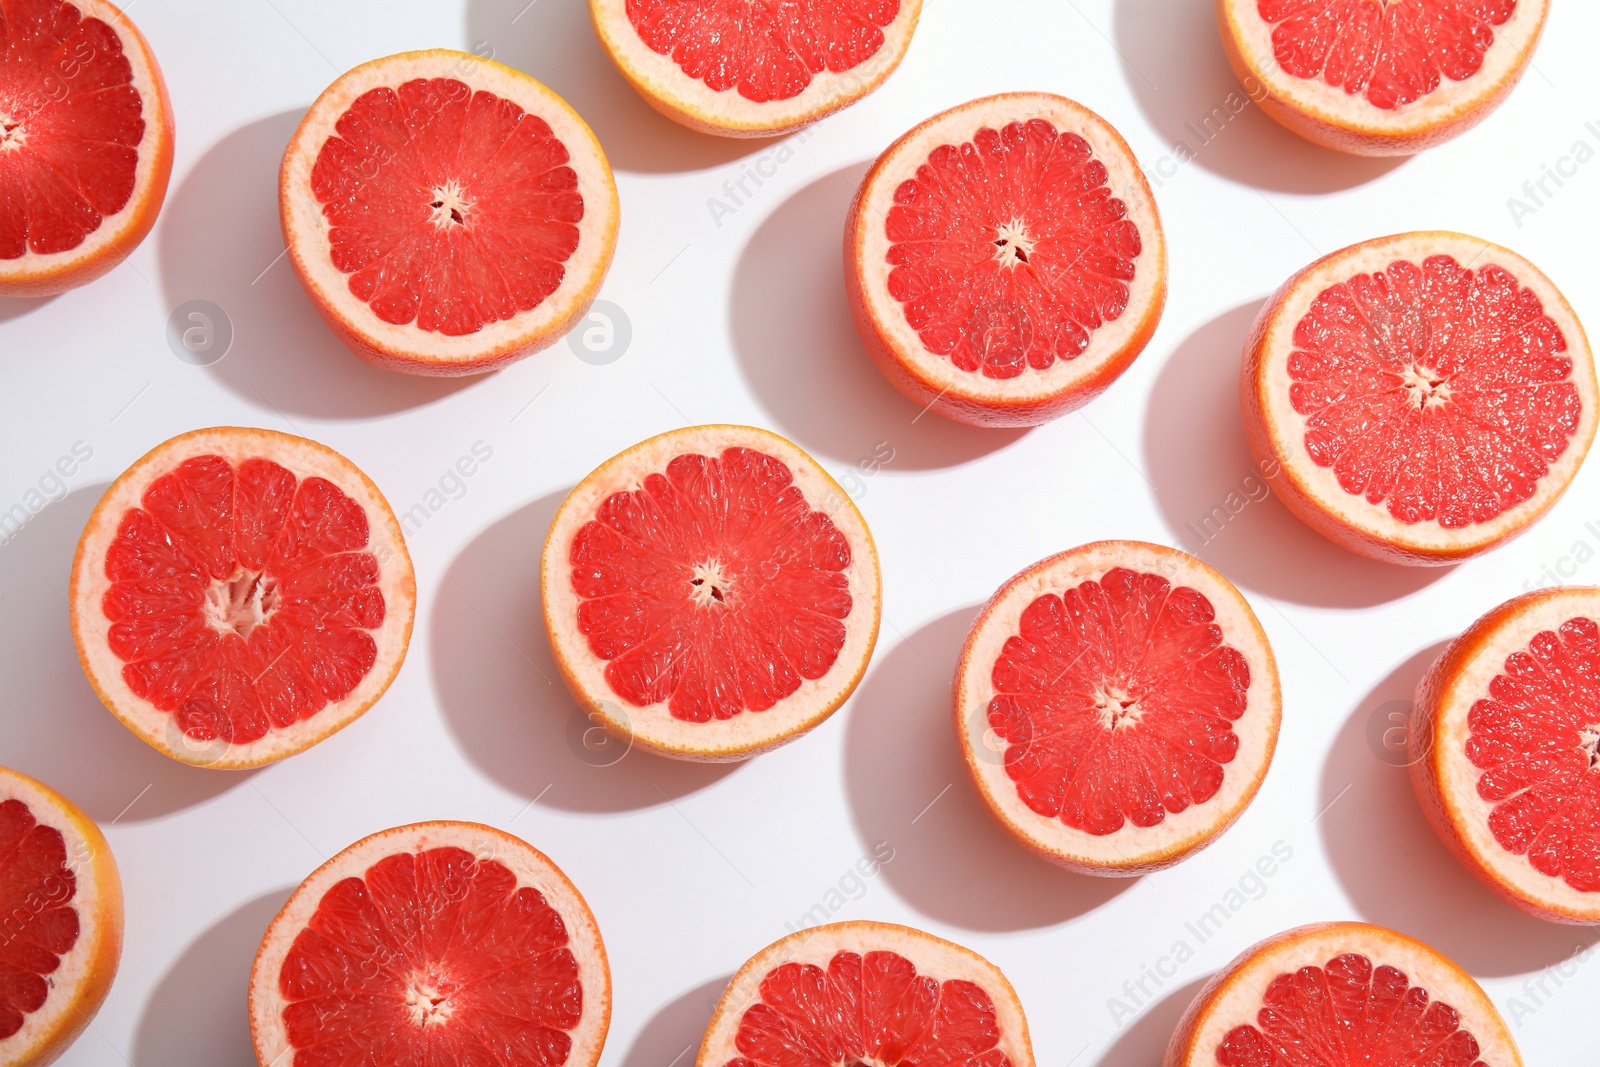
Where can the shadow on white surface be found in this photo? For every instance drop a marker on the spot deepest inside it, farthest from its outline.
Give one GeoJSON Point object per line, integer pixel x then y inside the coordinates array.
{"type": "Point", "coordinates": [1179, 74]}
{"type": "Point", "coordinates": [1213, 496]}
{"type": "Point", "coordinates": [555, 43]}
{"type": "Point", "coordinates": [1398, 873]}
{"type": "Point", "coordinates": [220, 240]}
{"type": "Point", "coordinates": [62, 734]}
{"type": "Point", "coordinates": [15, 307]}
{"type": "Point", "coordinates": [1143, 1043]}
{"type": "Point", "coordinates": [799, 350]}
{"type": "Point", "coordinates": [908, 787]}
{"type": "Point", "coordinates": [503, 697]}
{"type": "Point", "coordinates": [670, 1037]}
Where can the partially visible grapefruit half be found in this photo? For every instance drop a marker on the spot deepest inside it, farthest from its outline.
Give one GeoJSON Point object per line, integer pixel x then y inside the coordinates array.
{"type": "Point", "coordinates": [85, 143]}
{"type": "Point", "coordinates": [446, 214]}
{"type": "Point", "coordinates": [754, 70]}
{"type": "Point", "coordinates": [1004, 260]}
{"type": "Point", "coordinates": [436, 943]}
{"type": "Point", "coordinates": [1341, 995]}
{"type": "Point", "coordinates": [1380, 77]}
{"type": "Point", "coordinates": [1427, 396]}
{"type": "Point", "coordinates": [710, 593]}
{"type": "Point", "coordinates": [240, 594]}
{"type": "Point", "coordinates": [1506, 751]}
{"type": "Point", "coordinates": [61, 934]}
{"type": "Point", "coordinates": [1117, 706]}
{"type": "Point", "coordinates": [867, 992]}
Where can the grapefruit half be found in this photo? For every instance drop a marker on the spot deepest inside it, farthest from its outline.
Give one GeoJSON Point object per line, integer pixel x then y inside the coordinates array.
{"type": "Point", "coordinates": [61, 938]}
{"type": "Point", "coordinates": [446, 214]}
{"type": "Point", "coordinates": [867, 992]}
{"type": "Point", "coordinates": [436, 943]}
{"type": "Point", "coordinates": [710, 593]}
{"type": "Point", "coordinates": [1117, 706]}
{"type": "Point", "coordinates": [754, 70]}
{"type": "Point", "coordinates": [1341, 995]}
{"type": "Point", "coordinates": [240, 594]}
{"type": "Point", "coordinates": [1004, 260]}
{"type": "Point", "coordinates": [85, 143]}
{"type": "Point", "coordinates": [1427, 396]}
{"type": "Point", "coordinates": [1380, 77]}
{"type": "Point", "coordinates": [1506, 751]}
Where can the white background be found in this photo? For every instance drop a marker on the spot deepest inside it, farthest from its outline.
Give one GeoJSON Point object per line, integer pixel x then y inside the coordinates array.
{"type": "Point", "coordinates": [690, 870]}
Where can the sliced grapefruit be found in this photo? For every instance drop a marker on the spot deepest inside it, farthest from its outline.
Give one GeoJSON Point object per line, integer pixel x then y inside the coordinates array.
{"type": "Point", "coordinates": [1506, 751]}
{"type": "Point", "coordinates": [61, 937]}
{"type": "Point", "coordinates": [754, 70]}
{"type": "Point", "coordinates": [868, 993]}
{"type": "Point", "coordinates": [1341, 995]}
{"type": "Point", "coordinates": [1380, 77]}
{"type": "Point", "coordinates": [1117, 706]}
{"type": "Point", "coordinates": [85, 143]}
{"type": "Point", "coordinates": [1004, 260]}
{"type": "Point", "coordinates": [239, 594]}
{"type": "Point", "coordinates": [710, 593]}
{"type": "Point", "coordinates": [1428, 396]}
{"type": "Point", "coordinates": [446, 214]}
{"type": "Point", "coordinates": [437, 943]}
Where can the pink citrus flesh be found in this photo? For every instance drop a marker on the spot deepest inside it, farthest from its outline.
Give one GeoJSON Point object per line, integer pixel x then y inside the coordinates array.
{"type": "Point", "coordinates": [36, 891]}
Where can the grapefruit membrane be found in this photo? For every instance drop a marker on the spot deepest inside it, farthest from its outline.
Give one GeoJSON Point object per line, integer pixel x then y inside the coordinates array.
{"type": "Point", "coordinates": [85, 143]}
{"type": "Point", "coordinates": [435, 943]}
{"type": "Point", "coordinates": [1380, 77]}
{"type": "Point", "coordinates": [446, 214]}
{"type": "Point", "coordinates": [710, 593]}
{"type": "Point", "coordinates": [61, 939]}
{"type": "Point", "coordinates": [240, 594]}
{"type": "Point", "coordinates": [754, 70]}
{"type": "Point", "coordinates": [1428, 396]}
{"type": "Point", "coordinates": [1117, 706]}
{"type": "Point", "coordinates": [867, 992]}
{"type": "Point", "coordinates": [1004, 260]}
{"type": "Point", "coordinates": [1341, 995]}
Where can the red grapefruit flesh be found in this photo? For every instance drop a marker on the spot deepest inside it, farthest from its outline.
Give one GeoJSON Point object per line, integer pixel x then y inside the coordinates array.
{"type": "Point", "coordinates": [447, 214]}
{"type": "Point", "coordinates": [1004, 260]}
{"type": "Point", "coordinates": [1428, 396]}
{"type": "Point", "coordinates": [754, 70]}
{"type": "Point", "coordinates": [1380, 77]}
{"type": "Point", "coordinates": [1117, 706]}
{"type": "Point", "coordinates": [1507, 751]}
{"type": "Point", "coordinates": [61, 938]}
{"type": "Point", "coordinates": [867, 992]}
{"type": "Point", "coordinates": [85, 143]}
{"type": "Point", "coordinates": [710, 593]}
{"type": "Point", "coordinates": [1341, 995]}
{"type": "Point", "coordinates": [437, 943]}
{"type": "Point", "coordinates": [238, 595]}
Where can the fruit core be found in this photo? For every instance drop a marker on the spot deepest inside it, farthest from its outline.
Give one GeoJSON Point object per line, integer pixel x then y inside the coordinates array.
{"type": "Point", "coordinates": [41, 925]}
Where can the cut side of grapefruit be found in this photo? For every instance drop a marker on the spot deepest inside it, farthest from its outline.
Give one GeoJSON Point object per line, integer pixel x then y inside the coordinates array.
{"type": "Point", "coordinates": [1428, 396]}
{"type": "Point", "coordinates": [1004, 260]}
{"type": "Point", "coordinates": [85, 143]}
{"type": "Point", "coordinates": [1380, 77]}
{"type": "Point", "coordinates": [870, 993]}
{"type": "Point", "coordinates": [436, 943]}
{"type": "Point", "coordinates": [61, 938]}
{"type": "Point", "coordinates": [1341, 995]}
{"type": "Point", "coordinates": [754, 70]}
{"type": "Point", "coordinates": [1506, 751]}
{"type": "Point", "coordinates": [710, 593]}
{"type": "Point", "coordinates": [239, 595]}
{"type": "Point", "coordinates": [446, 214]}
{"type": "Point", "coordinates": [1117, 706]}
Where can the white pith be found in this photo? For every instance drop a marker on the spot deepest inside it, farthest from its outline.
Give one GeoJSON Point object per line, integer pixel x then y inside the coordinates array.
{"type": "Point", "coordinates": [306, 229]}
{"type": "Point", "coordinates": [1286, 428]}
{"type": "Point", "coordinates": [1130, 847]}
{"type": "Point", "coordinates": [870, 244]}
{"type": "Point", "coordinates": [89, 584]}
{"type": "Point", "coordinates": [531, 868]}
{"type": "Point", "coordinates": [748, 731]}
